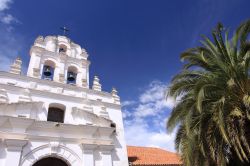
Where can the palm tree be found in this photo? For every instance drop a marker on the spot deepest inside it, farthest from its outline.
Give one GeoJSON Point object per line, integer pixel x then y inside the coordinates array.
{"type": "Point", "coordinates": [213, 92]}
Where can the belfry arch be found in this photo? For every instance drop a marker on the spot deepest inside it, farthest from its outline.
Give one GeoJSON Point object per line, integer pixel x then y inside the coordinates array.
{"type": "Point", "coordinates": [48, 70]}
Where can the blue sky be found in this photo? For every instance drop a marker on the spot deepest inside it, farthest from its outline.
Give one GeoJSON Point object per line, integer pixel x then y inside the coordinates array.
{"type": "Point", "coordinates": [133, 45]}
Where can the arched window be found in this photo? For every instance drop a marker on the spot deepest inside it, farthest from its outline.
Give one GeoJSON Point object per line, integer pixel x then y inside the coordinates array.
{"type": "Point", "coordinates": [62, 48]}
{"type": "Point", "coordinates": [56, 113]}
{"type": "Point", "coordinates": [48, 70]}
{"type": "Point", "coordinates": [71, 75]}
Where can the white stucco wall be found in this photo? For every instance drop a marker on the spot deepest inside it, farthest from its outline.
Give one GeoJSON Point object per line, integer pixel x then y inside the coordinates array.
{"type": "Point", "coordinates": [85, 138]}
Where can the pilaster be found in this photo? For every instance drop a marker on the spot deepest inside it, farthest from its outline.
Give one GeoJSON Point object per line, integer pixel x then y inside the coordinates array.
{"type": "Point", "coordinates": [14, 151]}
{"type": "Point", "coordinates": [56, 76]}
{"type": "Point", "coordinates": [106, 152]}
{"type": "Point", "coordinates": [34, 65]}
{"type": "Point", "coordinates": [88, 154]}
{"type": "Point", "coordinates": [79, 79]}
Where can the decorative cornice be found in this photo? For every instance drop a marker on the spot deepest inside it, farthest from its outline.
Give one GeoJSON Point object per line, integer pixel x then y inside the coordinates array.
{"type": "Point", "coordinates": [37, 49]}
{"type": "Point", "coordinates": [106, 148]}
{"type": "Point", "coordinates": [53, 83]}
{"type": "Point", "coordinates": [88, 147]}
{"type": "Point", "coordinates": [20, 125]}
{"type": "Point", "coordinates": [91, 114]}
{"type": "Point", "coordinates": [41, 50]}
{"type": "Point", "coordinates": [44, 130]}
{"type": "Point", "coordinates": [62, 97]}
{"type": "Point", "coordinates": [15, 144]}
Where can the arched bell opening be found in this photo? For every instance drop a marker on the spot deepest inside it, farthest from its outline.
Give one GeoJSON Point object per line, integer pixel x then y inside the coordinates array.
{"type": "Point", "coordinates": [50, 161]}
{"type": "Point", "coordinates": [56, 113]}
{"type": "Point", "coordinates": [48, 70]}
{"type": "Point", "coordinates": [72, 75]}
{"type": "Point", "coordinates": [62, 48]}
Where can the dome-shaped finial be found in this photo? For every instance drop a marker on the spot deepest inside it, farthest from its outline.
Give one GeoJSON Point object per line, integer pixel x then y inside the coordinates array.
{"type": "Point", "coordinates": [115, 96]}
{"type": "Point", "coordinates": [96, 84]}
{"type": "Point", "coordinates": [16, 67]}
{"type": "Point", "coordinates": [114, 91]}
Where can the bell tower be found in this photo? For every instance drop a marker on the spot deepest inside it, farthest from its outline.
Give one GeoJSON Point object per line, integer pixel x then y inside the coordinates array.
{"type": "Point", "coordinates": [57, 58]}
{"type": "Point", "coordinates": [53, 113]}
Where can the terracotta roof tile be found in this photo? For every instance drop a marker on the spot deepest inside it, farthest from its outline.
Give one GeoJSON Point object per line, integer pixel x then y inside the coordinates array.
{"type": "Point", "coordinates": [152, 156]}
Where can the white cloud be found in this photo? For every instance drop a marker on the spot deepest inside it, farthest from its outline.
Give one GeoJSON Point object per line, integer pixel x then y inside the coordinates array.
{"type": "Point", "coordinates": [5, 17]}
{"type": "Point", "coordinates": [145, 119]}
{"type": "Point", "coordinates": [138, 133]}
{"type": "Point", "coordinates": [126, 114]}
{"type": "Point", "coordinates": [8, 19]}
{"type": "Point", "coordinates": [155, 91]}
{"type": "Point", "coordinates": [153, 100]}
{"type": "Point", "coordinates": [128, 103]}
{"type": "Point", "coordinates": [4, 4]}
{"type": "Point", "coordinates": [10, 47]}
{"type": "Point", "coordinates": [11, 43]}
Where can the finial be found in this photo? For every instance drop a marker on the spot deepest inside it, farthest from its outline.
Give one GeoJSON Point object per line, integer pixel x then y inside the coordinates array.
{"type": "Point", "coordinates": [96, 84]}
{"type": "Point", "coordinates": [114, 91]}
{"type": "Point", "coordinates": [16, 67]}
{"type": "Point", "coordinates": [115, 96]}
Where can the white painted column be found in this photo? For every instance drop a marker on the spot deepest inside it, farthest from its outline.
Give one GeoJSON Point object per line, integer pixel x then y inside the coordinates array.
{"type": "Point", "coordinates": [2, 152]}
{"type": "Point", "coordinates": [88, 154]}
{"type": "Point", "coordinates": [65, 74]}
{"type": "Point", "coordinates": [41, 69]}
{"type": "Point", "coordinates": [106, 151]}
{"type": "Point", "coordinates": [32, 64]}
{"type": "Point", "coordinates": [79, 79]}
{"type": "Point", "coordinates": [87, 74]}
{"type": "Point", "coordinates": [14, 151]}
{"type": "Point", "coordinates": [56, 73]}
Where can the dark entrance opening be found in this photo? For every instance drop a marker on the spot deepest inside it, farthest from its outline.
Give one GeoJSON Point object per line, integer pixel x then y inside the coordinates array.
{"type": "Point", "coordinates": [50, 161]}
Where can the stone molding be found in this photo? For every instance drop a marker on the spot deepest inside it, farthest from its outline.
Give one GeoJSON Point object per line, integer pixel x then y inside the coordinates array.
{"type": "Point", "coordinates": [40, 50]}
{"type": "Point", "coordinates": [43, 151]}
{"type": "Point", "coordinates": [15, 144]}
{"type": "Point", "coordinates": [3, 96]}
{"type": "Point", "coordinates": [106, 147]}
{"type": "Point", "coordinates": [92, 147]}
{"type": "Point", "coordinates": [20, 125]}
{"type": "Point", "coordinates": [62, 96]}
{"type": "Point", "coordinates": [89, 148]}
{"type": "Point", "coordinates": [20, 128]}
{"type": "Point", "coordinates": [53, 83]}
{"type": "Point", "coordinates": [94, 118]}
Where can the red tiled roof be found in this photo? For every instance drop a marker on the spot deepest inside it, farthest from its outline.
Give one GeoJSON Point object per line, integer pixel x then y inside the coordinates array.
{"type": "Point", "coordinates": [152, 156]}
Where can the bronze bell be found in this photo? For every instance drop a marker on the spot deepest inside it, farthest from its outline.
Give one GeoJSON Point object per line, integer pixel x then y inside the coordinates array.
{"type": "Point", "coordinates": [71, 76]}
{"type": "Point", "coordinates": [47, 71]}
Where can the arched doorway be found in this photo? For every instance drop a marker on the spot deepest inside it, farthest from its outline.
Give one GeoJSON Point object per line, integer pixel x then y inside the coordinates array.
{"type": "Point", "coordinates": [50, 161]}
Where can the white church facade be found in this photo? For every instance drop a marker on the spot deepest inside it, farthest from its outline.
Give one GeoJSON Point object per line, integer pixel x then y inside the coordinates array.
{"type": "Point", "coordinates": [52, 117]}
